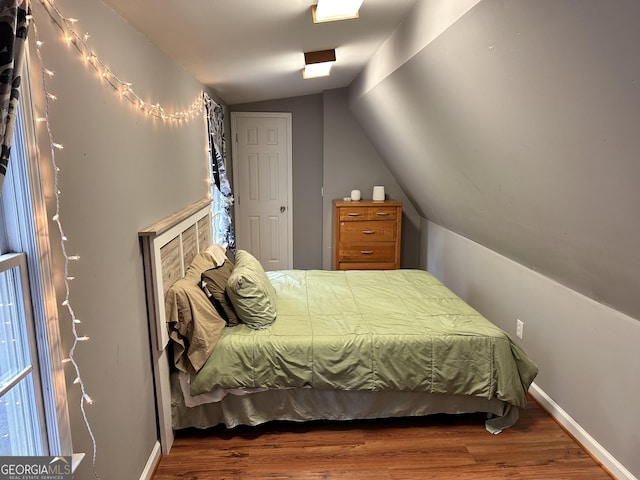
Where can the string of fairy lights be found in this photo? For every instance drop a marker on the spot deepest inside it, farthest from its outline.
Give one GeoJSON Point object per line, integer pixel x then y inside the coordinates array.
{"type": "Point", "coordinates": [85, 398]}
{"type": "Point", "coordinates": [125, 90]}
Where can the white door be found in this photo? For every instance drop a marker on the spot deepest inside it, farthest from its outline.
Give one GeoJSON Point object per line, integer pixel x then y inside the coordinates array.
{"type": "Point", "coordinates": [262, 181]}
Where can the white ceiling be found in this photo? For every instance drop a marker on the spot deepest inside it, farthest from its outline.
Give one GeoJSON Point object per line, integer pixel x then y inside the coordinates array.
{"type": "Point", "coordinates": [252, 50]}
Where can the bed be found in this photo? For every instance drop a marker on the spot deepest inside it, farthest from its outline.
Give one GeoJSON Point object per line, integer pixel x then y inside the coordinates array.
{"type": "Point", "coordinates": [307, 345]}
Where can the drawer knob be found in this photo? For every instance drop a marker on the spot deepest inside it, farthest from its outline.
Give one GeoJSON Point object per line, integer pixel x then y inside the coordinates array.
{"type": "Point", "coordinates": [366, 252]}
{"type": "Point", "coordinates": [382, 214]}
{"type": "Point", "coordinates": [354, 214]}
{"type": "Point", "coordinates": [368, 232]}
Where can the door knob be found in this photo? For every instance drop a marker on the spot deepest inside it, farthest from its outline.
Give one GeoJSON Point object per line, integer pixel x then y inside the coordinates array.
{"type": "Point", "coordinates": [282, 209]}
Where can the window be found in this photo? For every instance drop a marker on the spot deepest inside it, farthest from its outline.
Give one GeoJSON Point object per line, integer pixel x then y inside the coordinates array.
{"type": "Point", "coordinates": [21, 408]}
{"type": "Point", "coordinates": [34, 418]}
{"type": "Point", "coordinates": [220, 187]}
{"type": "Point", "coordinates": [221, 219]}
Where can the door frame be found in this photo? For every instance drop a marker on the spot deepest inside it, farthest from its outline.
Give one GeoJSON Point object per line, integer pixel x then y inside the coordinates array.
{"type": "Point", "coordinates": [237, 206]}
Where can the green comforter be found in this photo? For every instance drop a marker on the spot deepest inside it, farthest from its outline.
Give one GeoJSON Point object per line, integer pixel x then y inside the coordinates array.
{"type": "Point", "coordinates": [370, 330]}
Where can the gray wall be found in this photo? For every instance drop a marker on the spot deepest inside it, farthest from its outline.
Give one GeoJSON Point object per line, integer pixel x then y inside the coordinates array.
{"type": "Point", "coordinates": [587, 353]}
{"type": "Point", "coordinates": [119, 172]}
{"type": "Point", "coordinates": [518, 127]}
{"type": "Point", "coordinates": [515, 132]}
{"type": "Point", "coordinates": [331, 151]}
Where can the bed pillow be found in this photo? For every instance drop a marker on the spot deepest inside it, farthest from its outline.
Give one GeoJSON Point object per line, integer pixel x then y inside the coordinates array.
{"type": "Point", "coordinates": [194, 325]}
{"type": "Point", "coordinates": [218, 253]}
{"type": "Point", "coordinates": [251, 293]}
{"type": "Point", "coordinates": [214, 282]}
{"type": "Point", "coordinates": [201, 262]}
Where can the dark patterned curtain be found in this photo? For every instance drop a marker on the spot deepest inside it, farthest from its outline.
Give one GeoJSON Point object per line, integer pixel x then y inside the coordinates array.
{"type": "Point", "coordinates": [14, 20]}
{"type": "Point", "coordinates": [220, 186]}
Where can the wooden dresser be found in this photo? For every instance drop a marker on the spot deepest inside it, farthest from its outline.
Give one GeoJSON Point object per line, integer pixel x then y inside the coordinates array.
{"type": "Point", "coordinates": [366, 235]}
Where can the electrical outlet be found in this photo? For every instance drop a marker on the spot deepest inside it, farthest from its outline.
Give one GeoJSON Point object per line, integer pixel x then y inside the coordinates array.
{"type": "Point", "coordinates": [519, 328]}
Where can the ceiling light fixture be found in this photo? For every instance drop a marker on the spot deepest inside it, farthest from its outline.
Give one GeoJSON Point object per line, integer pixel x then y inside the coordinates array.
{"type": "Point", "coordinates": [318, 64]}
{"type": "Point", "coordinates": [332, 10]}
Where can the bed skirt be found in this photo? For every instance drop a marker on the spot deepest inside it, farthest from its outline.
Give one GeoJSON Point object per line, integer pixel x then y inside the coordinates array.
{"type": "Point", "coordinates": [306, 404]}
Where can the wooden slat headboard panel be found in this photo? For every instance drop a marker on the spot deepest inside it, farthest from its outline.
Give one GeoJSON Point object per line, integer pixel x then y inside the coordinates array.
{"type": "Point", "coordinates": [205, 231]}
{"type": "Point", "coordinates": [189, 244]}
{"type": "Point", "coordinates": [169, 247]}
{"type": "Point", "coordinates": [170, 260]}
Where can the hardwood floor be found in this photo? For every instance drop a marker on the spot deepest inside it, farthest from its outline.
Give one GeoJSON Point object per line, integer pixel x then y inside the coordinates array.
{"type": "Point", "coordinates": [437, 447]}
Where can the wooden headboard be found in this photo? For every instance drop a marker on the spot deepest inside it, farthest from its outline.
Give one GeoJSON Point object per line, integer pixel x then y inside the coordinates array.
{"type": "Point", "coordinates": [168, 247]}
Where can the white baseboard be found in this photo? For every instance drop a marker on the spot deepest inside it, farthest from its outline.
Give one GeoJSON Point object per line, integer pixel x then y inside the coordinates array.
{"type": "Point", "coordinates": [581, 435]}
{"type": "Point", "coordinates": [150, 467]}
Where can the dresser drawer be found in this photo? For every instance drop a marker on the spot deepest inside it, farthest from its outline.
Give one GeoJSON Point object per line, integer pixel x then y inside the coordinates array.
{"type": "Point", "coordinates": [368, 231]}
{"type": "Point", "coordinates": [357, 213]}
{"type": "Point", "coordinates": [382, 212]}
{"type": "Point", "coordinates": [367, 252]}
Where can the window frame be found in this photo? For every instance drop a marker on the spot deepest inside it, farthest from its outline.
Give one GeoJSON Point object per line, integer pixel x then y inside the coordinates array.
{"type": "Point", "coordinates": [9, 261]}
{"type": "Point", "coordinates": [26, 220]}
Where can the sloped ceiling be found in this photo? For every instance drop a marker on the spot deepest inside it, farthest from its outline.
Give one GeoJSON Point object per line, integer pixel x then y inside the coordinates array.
{"type": "Point", "coordinates": [519, 128]}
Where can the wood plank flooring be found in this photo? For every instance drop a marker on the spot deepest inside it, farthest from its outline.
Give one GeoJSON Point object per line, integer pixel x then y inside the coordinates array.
{"type": "Point", "coordinates": [437, 447]}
